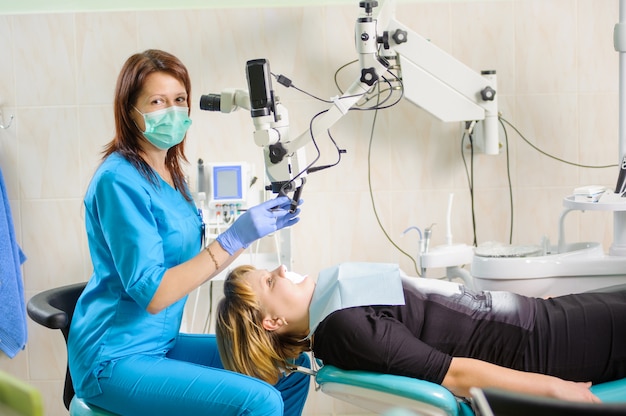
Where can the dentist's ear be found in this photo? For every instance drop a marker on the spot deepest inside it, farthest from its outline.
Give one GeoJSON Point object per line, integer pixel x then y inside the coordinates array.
{"type": "Point", "coordinates": [272, 324]}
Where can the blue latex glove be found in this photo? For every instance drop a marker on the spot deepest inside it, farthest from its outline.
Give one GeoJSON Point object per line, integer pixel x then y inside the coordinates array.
{"type": "Point", "coordinates": [258, 222]}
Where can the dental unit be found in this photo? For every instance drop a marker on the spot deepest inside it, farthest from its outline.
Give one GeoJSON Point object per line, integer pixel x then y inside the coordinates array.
{"type": "Point", "coordinates": [570, 267]}
{"type": "Point", "coordinates": [452, 92]}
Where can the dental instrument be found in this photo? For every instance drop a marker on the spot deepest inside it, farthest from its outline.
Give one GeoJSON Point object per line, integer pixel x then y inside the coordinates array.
{"type": "Point", "coordinates": [451, 256]}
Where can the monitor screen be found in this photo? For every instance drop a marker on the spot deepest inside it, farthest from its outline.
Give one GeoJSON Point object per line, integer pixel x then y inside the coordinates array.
{"type": "Point", "coordinates": [227, 183]}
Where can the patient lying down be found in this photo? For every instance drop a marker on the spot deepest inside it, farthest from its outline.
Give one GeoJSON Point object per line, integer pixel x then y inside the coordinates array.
{"type": "Point", "coordinates": [443, 333]}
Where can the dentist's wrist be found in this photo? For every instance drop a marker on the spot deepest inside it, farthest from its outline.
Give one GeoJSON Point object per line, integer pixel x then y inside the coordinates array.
{"type": "Point", "coordinates": [230, 242]}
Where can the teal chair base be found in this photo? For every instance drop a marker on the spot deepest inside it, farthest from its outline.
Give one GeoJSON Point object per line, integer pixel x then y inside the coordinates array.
{"type": "Point", "coordinates": [384, 392]}
{"type": "Point", "coordinates": [78, 407]}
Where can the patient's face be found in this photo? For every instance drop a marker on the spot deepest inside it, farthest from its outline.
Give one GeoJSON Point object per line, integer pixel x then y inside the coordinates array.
{"type": "Point", "coordinates": [281, 298]}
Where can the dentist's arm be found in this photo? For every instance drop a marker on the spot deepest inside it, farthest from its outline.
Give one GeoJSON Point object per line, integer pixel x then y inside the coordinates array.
{"type": "Point", "coordinates": [467, 372]}
{"type": "Point", "coordinates": [255, 223]}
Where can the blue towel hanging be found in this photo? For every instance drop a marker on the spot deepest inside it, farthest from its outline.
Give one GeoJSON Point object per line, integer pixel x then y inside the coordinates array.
{"type": "Point", "coordinates": [13, 332]}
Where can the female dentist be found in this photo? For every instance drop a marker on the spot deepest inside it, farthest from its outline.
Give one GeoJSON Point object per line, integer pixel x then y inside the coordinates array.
{"type": "Point", "coordinates": [126, 354]}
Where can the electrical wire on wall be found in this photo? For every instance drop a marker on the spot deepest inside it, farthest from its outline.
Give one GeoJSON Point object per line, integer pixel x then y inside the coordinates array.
{"type": "Point", "coordinates": [508, 177]}
{"type": "Point", "coordinates": [470, 180]}
{"type": "Point", "coordinates": [470, 177]}
{"type": "Point", "coordinates": [380, 105]}
{"type": "Point", "coordinates": [371, 193]}
{"type": "Point", "coordinates": [470, 172]}
{"type": "Point", "coordinates": [503, 120]}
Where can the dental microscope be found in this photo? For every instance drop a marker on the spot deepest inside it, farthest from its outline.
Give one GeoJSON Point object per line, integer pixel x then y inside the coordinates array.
{"type": "Point", "coordinates": [427, 76]}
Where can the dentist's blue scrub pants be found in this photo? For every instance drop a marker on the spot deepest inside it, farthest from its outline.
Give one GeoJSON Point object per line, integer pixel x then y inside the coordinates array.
{"type": "Point", "coordinates": [190, 380]}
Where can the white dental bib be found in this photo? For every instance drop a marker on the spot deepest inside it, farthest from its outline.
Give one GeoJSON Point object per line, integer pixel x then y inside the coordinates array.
{"type": "Point", "coordinates": [354, 284]}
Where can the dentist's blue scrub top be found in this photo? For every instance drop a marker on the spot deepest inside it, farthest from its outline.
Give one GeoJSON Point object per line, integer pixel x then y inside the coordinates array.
{"type": "Point", "coordinates": [137, 230]}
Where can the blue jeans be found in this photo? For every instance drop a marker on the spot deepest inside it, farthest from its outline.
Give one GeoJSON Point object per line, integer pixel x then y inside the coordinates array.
{"type": "Point", "coordinates": [190, 380]}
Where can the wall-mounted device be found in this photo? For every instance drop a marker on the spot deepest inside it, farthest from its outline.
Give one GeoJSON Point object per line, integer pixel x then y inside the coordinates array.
{"type": "Point", "coordinates": [228, 183]}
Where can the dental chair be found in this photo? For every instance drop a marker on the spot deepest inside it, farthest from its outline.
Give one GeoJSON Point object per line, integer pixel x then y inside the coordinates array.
{"type": "Point", "coordinates": [384, 392]}
{"type": "Point", "coordinates": [54, 309]}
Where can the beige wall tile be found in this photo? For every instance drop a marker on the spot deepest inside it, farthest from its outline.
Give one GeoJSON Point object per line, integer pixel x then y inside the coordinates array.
{"type": "Point", "coordinates": [45, 59]}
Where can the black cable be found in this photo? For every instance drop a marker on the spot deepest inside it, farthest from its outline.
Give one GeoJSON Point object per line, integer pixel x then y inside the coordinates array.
{"type": "Point", "coordinates": [502, 119]}
{"type": "Point", "coordinates": [469, 174]}
{"type": "Point", "coordinates": [508, 175]}
{"type": "Point", "coordinates": [339, 153]}
{"type": "Point", "coordinates": [287, 82]}
{"type": "Point", "coordinates": [341, 68]}
{"type": "Point", "coordinates": [317, 149]}
{"type": "Point", "coordinates": [371, 192]}
{"type": "Point", "coordinates": [472, 193]}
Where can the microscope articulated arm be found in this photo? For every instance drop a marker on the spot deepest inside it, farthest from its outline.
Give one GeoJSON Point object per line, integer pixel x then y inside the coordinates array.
{"type": "Point", "coordinates": [437, 82]}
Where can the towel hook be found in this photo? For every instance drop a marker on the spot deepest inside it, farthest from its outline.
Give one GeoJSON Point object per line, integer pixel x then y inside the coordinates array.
{"type": "Point", "coordinates": [2, 126]}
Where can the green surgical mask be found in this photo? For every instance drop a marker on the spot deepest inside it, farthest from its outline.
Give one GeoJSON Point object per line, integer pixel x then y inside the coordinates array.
{"type": "Point", "coordinates": [167, 127]}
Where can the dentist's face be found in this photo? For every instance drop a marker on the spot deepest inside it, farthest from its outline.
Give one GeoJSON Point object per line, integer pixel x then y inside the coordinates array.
{"type": "Point", "coordinates": [286, 303]}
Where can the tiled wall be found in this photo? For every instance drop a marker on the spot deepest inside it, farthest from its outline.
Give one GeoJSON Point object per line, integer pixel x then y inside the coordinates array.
{"type": "Point", "coordinates": [558, 82]}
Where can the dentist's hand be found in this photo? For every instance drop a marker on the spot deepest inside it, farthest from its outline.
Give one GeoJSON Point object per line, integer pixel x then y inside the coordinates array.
{"type": "Point", "coordinates": [258, 222]}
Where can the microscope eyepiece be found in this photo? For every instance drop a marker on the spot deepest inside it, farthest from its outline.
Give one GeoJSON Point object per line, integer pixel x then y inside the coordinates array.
{"type": "Point", "coordinates": [210, 102]}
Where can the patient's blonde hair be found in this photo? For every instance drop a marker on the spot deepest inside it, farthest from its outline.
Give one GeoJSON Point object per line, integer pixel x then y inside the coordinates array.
{"type": "Point", "coordinates": [244, 345]}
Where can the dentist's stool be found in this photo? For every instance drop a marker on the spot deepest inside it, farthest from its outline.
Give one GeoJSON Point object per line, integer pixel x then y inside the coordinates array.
{"type": "Point", "coordinates": [54, 309]}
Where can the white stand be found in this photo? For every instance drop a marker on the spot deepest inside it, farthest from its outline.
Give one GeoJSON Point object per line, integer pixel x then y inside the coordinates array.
{"type": "Point", "coordinates": [608, 202]}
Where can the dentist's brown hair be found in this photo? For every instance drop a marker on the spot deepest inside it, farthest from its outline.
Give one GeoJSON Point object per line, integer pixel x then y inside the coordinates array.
{"type": "Point", "coordinates": [127, 138]}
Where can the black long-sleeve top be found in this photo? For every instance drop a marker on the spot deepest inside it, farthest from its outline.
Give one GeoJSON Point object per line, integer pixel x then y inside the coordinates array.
{"type": "Point", "coordinates": [575, 337]}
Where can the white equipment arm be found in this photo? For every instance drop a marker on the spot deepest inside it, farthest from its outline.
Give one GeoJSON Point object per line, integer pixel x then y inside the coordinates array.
{"type": "Point", "coordinates": [439, 83]}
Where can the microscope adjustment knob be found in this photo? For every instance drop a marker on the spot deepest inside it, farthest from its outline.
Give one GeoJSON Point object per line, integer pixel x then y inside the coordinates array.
{"type": "Point", "coordinates": [277, 152]}
{"type": "Point", "coordinates": [368, 5]}
{"type": "Point", "coordinates": [368, 76]}
{"type": "Point", "coordinates": [399, 36]}
{"type": "Point", "coordinates": [384, 39]}
{"type": "Point", "coordinates": [488, 93]}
